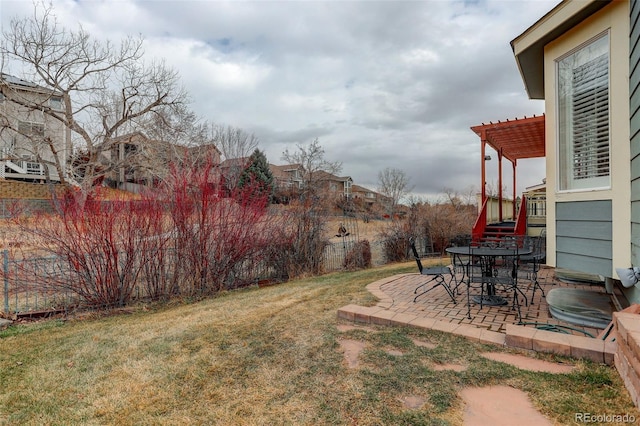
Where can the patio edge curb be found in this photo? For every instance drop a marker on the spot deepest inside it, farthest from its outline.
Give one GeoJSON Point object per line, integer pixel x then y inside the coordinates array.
{"type": "Point", "coordinates": [516, 336]}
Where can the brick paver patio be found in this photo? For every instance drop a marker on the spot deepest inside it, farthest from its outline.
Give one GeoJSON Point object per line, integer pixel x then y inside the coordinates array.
{"type": "Point", "coordinates": [398, 295]}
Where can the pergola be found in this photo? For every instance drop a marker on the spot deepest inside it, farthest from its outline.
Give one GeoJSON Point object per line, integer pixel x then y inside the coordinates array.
{"type": "Point", "coordinates": [512, 139]}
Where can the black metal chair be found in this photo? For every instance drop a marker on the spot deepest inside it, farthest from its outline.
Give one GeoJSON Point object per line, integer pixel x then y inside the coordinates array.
{"type": "Point", "coordinates": [460, 263]}
{"type": "Point", "coordinates": [507, 272]}
{"type": "Point", "coordinates": [437, 275]}
{"type": "Point", "coordinates": [497, 271]}
{"type": "Point", "coordinates": [477, 277]}
{"type": "Point", "coordinates": [530, 263]}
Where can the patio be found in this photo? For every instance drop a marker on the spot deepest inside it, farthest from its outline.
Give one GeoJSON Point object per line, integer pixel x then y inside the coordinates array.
{"type": "Point", "coordinates": [438, 305]}
{"type": "Point", "coordinates": [491, 324]}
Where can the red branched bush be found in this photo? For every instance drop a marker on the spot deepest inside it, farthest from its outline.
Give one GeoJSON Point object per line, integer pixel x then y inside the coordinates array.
{"type": "Point", "coordinates": [187, 240]}
{"type": "Point", "coordinates": [215, 234]}
{"type": "Point", "coordinates": [102, 247]}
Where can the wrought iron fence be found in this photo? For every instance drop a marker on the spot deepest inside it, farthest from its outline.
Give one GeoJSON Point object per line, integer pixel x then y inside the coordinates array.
{"type": "Point", "coordinates": [43, 283]}
{"type": "Point", "coordinates": [9, 207]}
{"type": "Point", "coordinates": [27, 291]}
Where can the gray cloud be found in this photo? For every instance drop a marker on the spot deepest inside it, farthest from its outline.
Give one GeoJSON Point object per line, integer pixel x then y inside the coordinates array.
{"type": "Point", "coordinates": [380, 83]}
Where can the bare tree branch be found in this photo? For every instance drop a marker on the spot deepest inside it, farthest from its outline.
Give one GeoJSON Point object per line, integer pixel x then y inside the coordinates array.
{"type": "Point", "coordinates": [394, 185]}
{"type": "Point", "coordinates": [311, 159]}
{"type": "Point", "coordinates": [107, 90]}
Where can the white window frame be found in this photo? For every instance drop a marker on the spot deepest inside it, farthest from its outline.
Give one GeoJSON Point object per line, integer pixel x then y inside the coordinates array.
{"type": "Point", "coordinates": [55, 102]}
{"type": "Point", "coordinates": [31, 128]}
{"type": "Point", "coordinates": [584, 133]}
{"type": "Point", "coordinates": [33, 168]}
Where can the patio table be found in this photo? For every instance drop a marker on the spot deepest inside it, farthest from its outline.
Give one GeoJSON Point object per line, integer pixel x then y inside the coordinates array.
{"type": "Point", "coordinates": [489, 255]}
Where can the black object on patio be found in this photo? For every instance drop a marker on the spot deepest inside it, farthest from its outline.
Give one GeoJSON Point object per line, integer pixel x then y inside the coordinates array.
{"type": "Point", "coordinates": [437, 274]}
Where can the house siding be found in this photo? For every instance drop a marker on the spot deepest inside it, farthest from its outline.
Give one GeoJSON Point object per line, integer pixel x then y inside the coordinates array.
{"type": "Point", "coordinates": [584, 233]}
{"type": "Point", "coordinates": [634, 135]}
{"type": "Point", "coordinates": [19, 147]}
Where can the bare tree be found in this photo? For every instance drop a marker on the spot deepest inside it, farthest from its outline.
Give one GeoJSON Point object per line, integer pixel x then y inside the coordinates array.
{"type": "Point", "coordinates": [492, 189]}
{"type": "Point", "coordinates": [316, 169]}
{"type": "Point", "coordinates": [106, 90]}
{"type": "Point", "coordinates": [176, 135]}
{"type": "Point", "coordinates": [394, 185]}
{"type": "Point", "coordinates": [234, 142]}
{"type": "Point", "coordinates": [236, 146]}
{"type": "Point", "coordinates": [459, 199]}
{"type": "Point", "coordinates": [306, 219]}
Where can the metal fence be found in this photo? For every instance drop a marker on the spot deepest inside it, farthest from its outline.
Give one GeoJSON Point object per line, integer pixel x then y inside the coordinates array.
{"type": "Point", "coordinates": [12, 206]}
{"type": "Point", "coordinates": [26, 292]}
{"type": "Point", "coordinates": [27, 285]}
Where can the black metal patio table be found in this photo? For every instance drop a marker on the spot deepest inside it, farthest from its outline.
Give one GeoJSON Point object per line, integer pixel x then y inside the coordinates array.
{"type": "Point", "coordinates": [488, 257]}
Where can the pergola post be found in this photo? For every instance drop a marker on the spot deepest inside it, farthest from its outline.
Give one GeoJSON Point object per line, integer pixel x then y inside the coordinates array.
{"type": "Point", "coordinates": [500, 186]}
{"type": "Point", "coordinates": [514, 163]}
{"type": "Point", "coordinates": [483, 181]}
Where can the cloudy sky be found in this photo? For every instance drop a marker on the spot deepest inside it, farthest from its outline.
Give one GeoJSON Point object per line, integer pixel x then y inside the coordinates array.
{"type": "Point", "coordinates": [379, 83]}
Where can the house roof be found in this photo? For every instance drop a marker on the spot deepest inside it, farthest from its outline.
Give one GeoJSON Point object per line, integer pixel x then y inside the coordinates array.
{"type": "Point", "coordinates": [528, 47]}
{"type": "Point", "coordinates": [136, 136]}
{"type": "Point", "coordinates": [515, 139]}
{"type": "Point", "coordinates": [19, 83]}
{"type": "Point", "coordinates": [286, 167]}
{"type": "Point", "coordinates": [322, 175]}
{"type": "Point", "coordinates": [204, 148]}
{"type": "Point", "coordinates": [358, 188]}
{"type": "Point", "coordinates": [240, 162]}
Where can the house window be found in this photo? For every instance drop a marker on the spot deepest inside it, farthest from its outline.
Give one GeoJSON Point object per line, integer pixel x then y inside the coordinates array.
{"type": "Point", "coordinates": [28, 128]}
{"type": "Point", "coordinates": [6, 147]}
{"type": "Point", "coordinates": [55, 102]}
{"type": "Point", "coordinates": [583, 117]}
{"type": "Point", "coordinates": [33, 168]}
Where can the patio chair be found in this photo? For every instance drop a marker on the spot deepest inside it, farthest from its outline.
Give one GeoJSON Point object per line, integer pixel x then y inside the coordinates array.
{"type": "Point", "coordinates": [508, 270]}
{"type": "Point", "coordinates": [494, 269]}
{"type": "Point", "coordinates": [437, 276]}
{"type": "Point", "coordinates": [461, 262]}
{"type": "Point", "coordinates": [476, 277]}
{"type": "Point", "coordinates": [530, 263]}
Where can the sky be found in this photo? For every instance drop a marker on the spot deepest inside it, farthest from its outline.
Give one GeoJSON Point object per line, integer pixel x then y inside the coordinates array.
{"type": "Point", "coordinates": [380, 84]}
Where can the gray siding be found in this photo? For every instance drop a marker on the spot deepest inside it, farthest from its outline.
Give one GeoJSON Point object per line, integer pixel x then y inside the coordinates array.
{"type": "Point", "coordinates": [634, 111]}
{"type": "Point", "coordinates": [583, 236]}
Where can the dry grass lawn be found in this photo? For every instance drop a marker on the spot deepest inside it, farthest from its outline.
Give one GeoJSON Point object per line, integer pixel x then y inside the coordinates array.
{"type": "Point", "coordinates": [267, 356]}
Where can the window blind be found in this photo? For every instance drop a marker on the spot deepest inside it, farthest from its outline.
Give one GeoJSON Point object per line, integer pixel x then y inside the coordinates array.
{"type": "Point", "coordinates": [590, 124]}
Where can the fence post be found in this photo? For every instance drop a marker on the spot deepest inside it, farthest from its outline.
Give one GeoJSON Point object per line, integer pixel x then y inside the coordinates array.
{"type": "Point", "coordinates": [5, 269]}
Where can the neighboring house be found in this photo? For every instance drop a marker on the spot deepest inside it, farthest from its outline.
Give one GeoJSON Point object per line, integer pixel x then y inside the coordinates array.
{"type": "Point", "coordinates": [136, 161]}
{"type": "Point", "coordinates": [368, 197]}
{"type": "Point", "coordinates": [331, 186]}
{"type": "Point", "coordinates": [370, 202]}
{"type": "Point", "coordinates": [28, 133]}
{"type": "Point", "coordinates": [288, 177]}
{"type": "Point", "coordinates": [131, 159]}
{"type": "Point", "coordinates": [292, 179]}
{"type": "Point", "coordinates": [577, 58]}
{"type": "Point", "coordinates": [536, 197]}
{"type": "Point", "coordinates": [208, 154]}
{"type": "Point", "coordinates": [231, 169]}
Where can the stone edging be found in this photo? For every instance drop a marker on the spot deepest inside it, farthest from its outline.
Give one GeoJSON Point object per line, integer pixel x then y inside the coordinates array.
{"type": "Point", "coordinates": [516, 336]}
